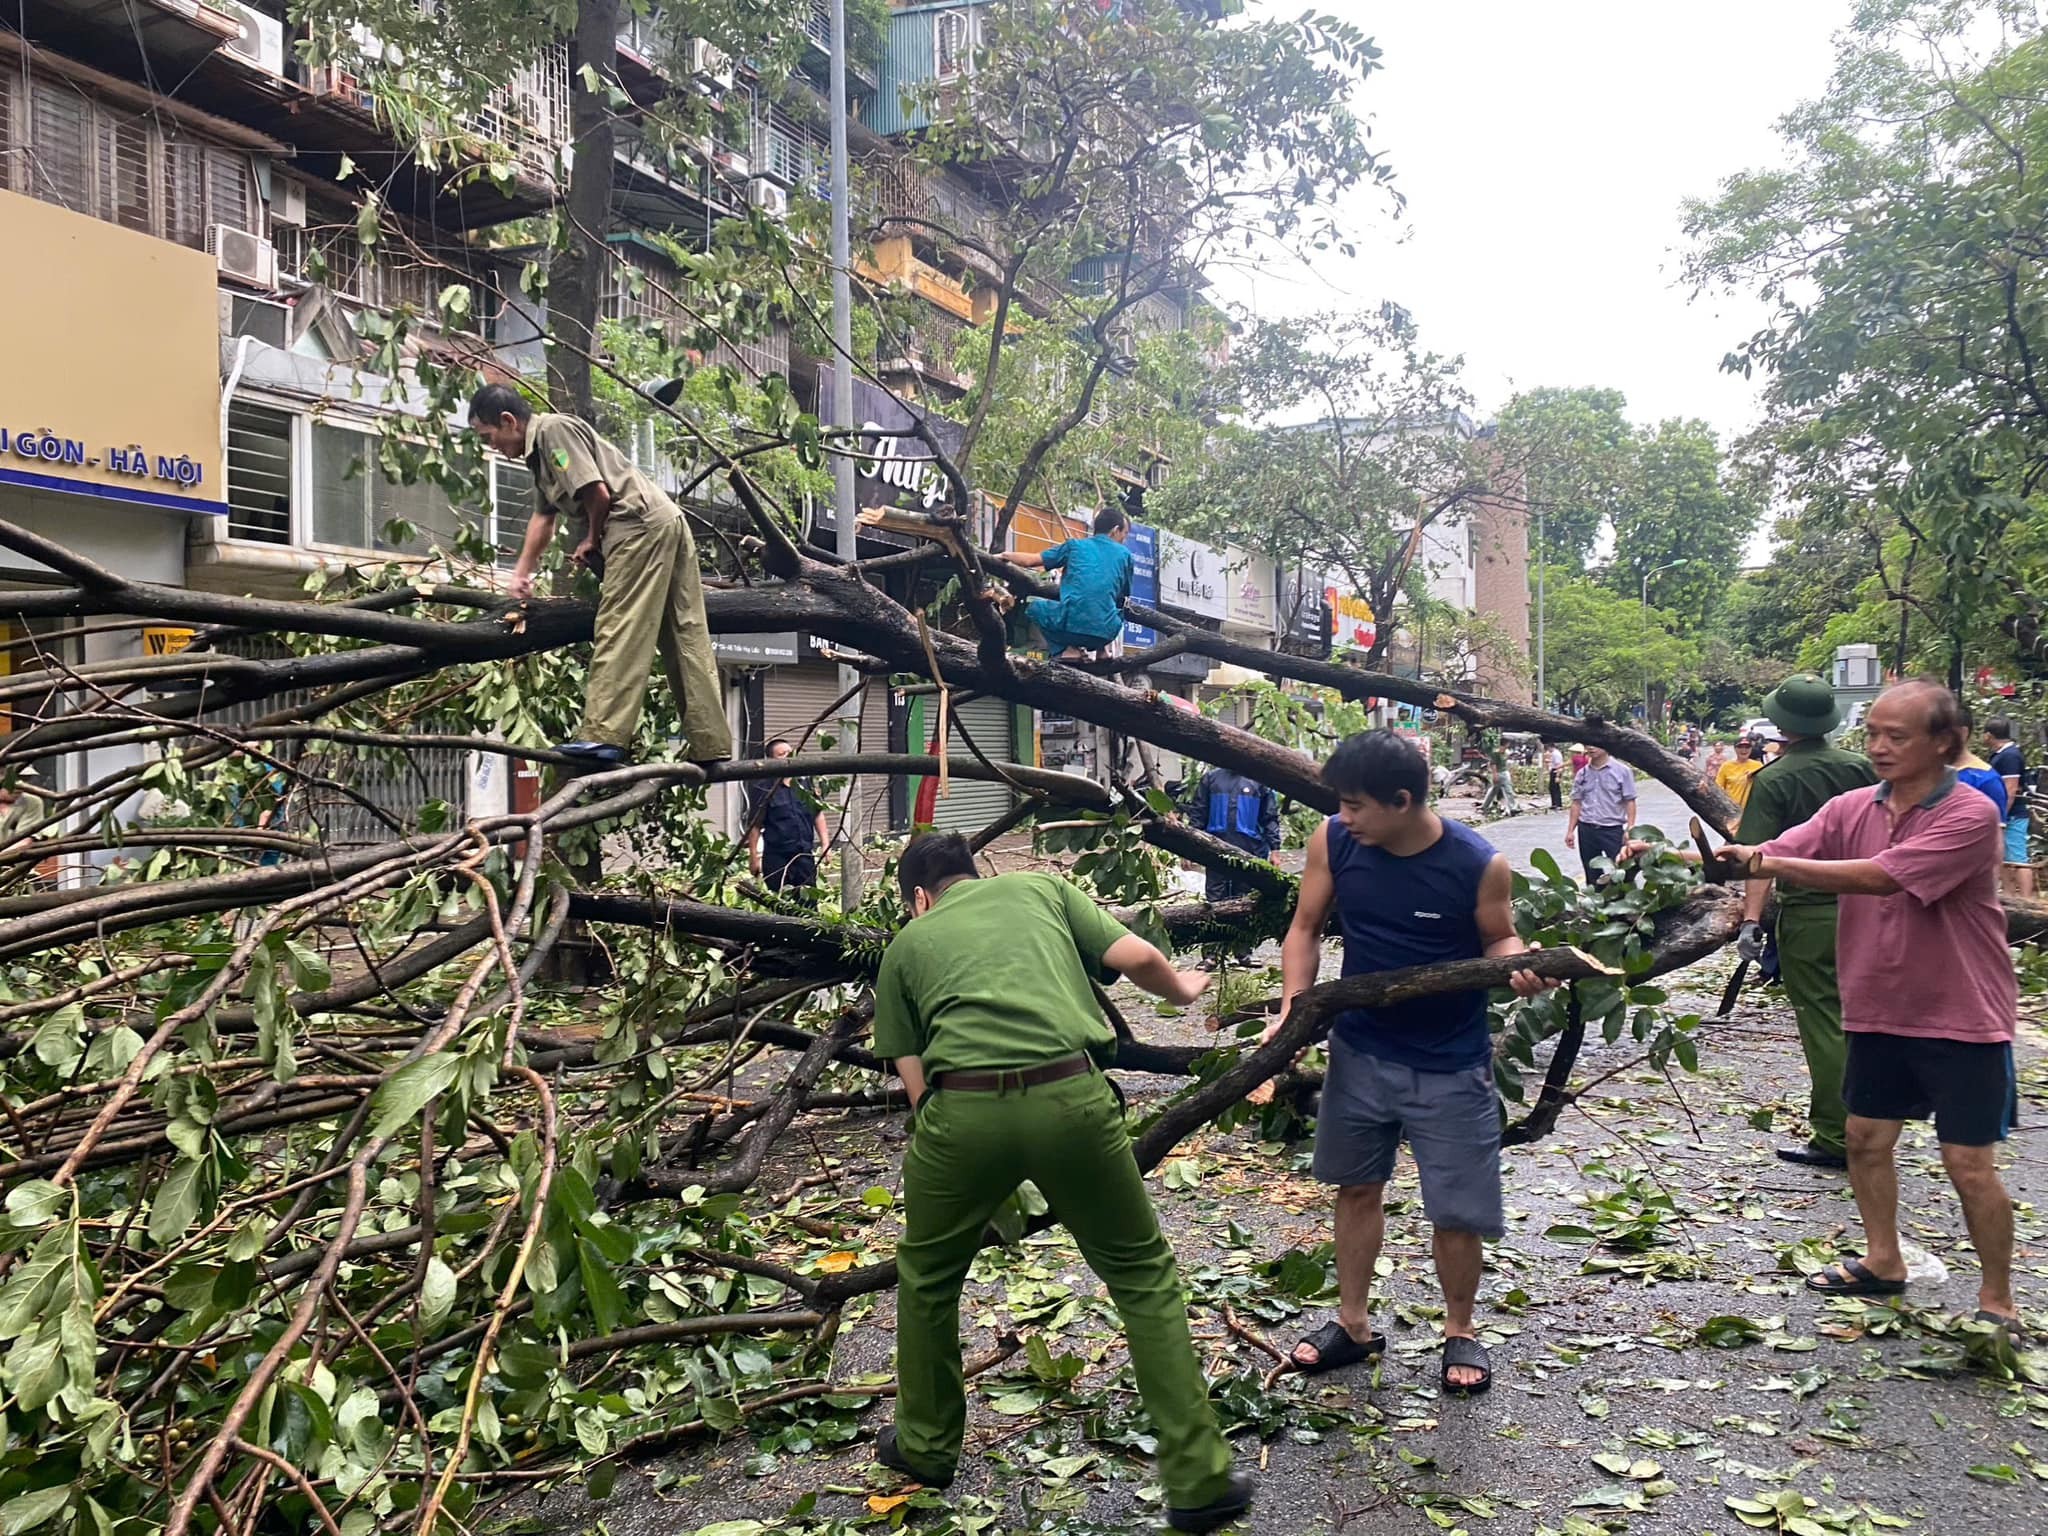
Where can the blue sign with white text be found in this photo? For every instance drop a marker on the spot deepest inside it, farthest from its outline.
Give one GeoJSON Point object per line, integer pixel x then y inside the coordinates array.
{"type": "Point", "coordinates": [1143, 543]}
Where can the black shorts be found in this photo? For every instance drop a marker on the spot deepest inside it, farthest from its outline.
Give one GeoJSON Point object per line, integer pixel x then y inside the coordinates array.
{"type": "Point", "coordinates": [1966, 1087]}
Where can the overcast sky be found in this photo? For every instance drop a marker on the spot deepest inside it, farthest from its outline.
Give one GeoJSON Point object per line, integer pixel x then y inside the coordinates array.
{"type": "Point", "coordinates": [1544, 147]}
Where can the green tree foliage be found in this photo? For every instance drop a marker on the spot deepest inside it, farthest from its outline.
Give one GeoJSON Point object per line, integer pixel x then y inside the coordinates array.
{"type": "Point", "coordinates": [1380, 450]}
{"type": "Point", "coordinates": [1577, 453]}
{"type": "Point", "coordinates": [1603, 647]}
{"type": "Point", "coordinates": [1902, 249]}
{"type": "Point", "coordinates": [1680, 505]}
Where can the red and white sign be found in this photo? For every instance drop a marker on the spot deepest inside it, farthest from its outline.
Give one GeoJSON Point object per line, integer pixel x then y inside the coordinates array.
{"type": "Point", "coordinates": [1352, 627]}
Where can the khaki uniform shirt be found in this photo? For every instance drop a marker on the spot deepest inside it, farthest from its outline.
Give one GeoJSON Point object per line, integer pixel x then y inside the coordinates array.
{"type": "Point", "coordinates": [996, 975]}
{"type": "Point", "coordinates": [27, 811]}
{"type": "Point", "coordinates": [566, 455]}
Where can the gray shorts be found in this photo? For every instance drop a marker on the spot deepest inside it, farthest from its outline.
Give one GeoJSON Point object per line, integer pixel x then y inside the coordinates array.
{"type": "Point", "coordinates": [1451, 1121]}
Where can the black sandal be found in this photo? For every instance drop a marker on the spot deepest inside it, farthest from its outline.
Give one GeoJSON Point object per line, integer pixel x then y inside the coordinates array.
{"type": "Point", "coordinates": [2015, 1330]}
{"type": "Point", "coordinates": [1850, 1276]}
{"type": "Point", "coordinates": [1472, 1356]}
{"type": "Point", "coordinates": [1335, 1349]}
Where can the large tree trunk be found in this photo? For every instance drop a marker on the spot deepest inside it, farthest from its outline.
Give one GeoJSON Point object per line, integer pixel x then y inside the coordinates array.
{"type": "Point", "coordinates": [576, 275]}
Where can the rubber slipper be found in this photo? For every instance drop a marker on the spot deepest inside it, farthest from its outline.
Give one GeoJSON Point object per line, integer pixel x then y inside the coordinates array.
{"type": "Point", "coordinates": [1854, 1279]}
{"type": "Point", "coordinates": [2014, 1328]}
{"type": "Point", "coordinates": [1335, 1349]}
{"type": "Point", "coordinates": [1472, 1355]}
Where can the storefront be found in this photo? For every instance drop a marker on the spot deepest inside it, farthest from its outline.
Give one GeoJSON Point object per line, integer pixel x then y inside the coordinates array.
{"type": "Point", "coordinates": [792, 693]}
{"type": "Point", "coordinates": [109, 430]}
{"type": "Point", "coordinates": [966, 805]}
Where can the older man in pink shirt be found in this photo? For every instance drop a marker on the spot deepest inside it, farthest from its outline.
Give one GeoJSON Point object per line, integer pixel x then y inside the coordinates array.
{"type": "Point", "coordinates": [1928, 995]}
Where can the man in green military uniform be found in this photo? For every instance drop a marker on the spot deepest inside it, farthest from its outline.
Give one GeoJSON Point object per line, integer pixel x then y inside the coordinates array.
{"type": "Point", "coordinates": [1784, 793]}
{"type": "Point", "coordinates": [636, 540]}
{"type": "Point", "coordinates": [984, 1004]}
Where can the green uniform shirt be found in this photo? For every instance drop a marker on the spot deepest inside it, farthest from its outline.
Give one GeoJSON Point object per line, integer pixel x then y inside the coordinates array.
{"type": "Point", "coordinates": [996, 975]}
{"type": "Point", "coordinates": [565, 456]}
{"type": "Point", "coordinates": [1785, 793]}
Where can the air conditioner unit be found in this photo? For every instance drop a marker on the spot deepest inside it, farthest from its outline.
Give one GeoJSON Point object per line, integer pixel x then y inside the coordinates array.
{"type": "Point", "coordinates": [768, 197]}
{"type": "Point", "coordinates": [710, 67]}
{"type": "Point", "coordinates": [288, 202]}
{"type": "Point", "coordinates": [730, 162]}
{"type": "Point", "coordinates": [243, 257]}
{"type": "Point", "coordinates": [261, 45]}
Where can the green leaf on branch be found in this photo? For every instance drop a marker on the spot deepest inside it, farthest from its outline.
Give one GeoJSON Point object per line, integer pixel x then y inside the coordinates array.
{"type": "Point", "coordinates": [402, 1096]}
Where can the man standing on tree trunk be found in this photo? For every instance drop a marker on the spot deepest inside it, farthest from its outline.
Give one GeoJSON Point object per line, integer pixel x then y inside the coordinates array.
{"type": "Point", "coordinates": [1786, 793]}
{"type": "Point", "coordinates": [984, 1004]}
{"type": "Point", "coordinates": [1409, 888]}
{"type": "Point", "coordinates": [635, 540]}
{"type": "Point", "coordinates": [1928, 993]}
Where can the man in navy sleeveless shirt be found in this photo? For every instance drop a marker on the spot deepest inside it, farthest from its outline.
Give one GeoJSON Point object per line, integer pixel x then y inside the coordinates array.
{"type": "Point", "coordinates": [1408, 888]}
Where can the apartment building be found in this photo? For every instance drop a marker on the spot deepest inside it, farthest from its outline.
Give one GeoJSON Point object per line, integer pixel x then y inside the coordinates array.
{"type": "Point", "coordinates": [188, 398]}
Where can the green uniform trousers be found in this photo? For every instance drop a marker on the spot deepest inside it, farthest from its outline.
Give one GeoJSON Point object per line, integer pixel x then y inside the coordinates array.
{"type": "Point", "coordinates": [653, 597]}
{"type": "Point", "coordinates": [1806, 966]}
{"type": "Point", "coordinates": [968, 1153]}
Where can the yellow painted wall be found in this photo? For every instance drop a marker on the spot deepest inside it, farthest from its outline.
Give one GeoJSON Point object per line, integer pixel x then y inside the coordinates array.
{"type": "Point", "coordinates": [112, 343]}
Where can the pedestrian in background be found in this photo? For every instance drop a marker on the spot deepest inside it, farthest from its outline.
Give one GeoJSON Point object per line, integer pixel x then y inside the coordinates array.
{"type": "Point", "coordinates": [1553, 770]}
{"type": "Point", "coordinates": [20, 806]}
{"type": "Point", "coordinates": [636, 541]}
{"type": "Point", "coordinates": [785, 830]}
{"type": "Point", "coordinates": [1785, 794]}
{"type": "Point", "coordinates": [1976, 772]}
{"type": "Point", "coordinates": [984, 1003]}
{"type": "Point", "coordinates": [1929, 999]}
{"type": "Point", "coordinates": [1603, 809]}
{"type": "Point", "coordinates": [1733, 776]}
{"type": "Point", "coordinates": [2010, 764]}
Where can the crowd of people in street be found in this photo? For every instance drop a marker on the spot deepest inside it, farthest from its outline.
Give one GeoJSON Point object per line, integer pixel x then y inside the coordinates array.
{"type": "Point", "coordinates": [984, 1004]}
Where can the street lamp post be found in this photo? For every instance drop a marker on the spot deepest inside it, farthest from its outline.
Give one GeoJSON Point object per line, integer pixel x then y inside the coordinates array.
{"type": "Point", "coordinates": [1643, 632]}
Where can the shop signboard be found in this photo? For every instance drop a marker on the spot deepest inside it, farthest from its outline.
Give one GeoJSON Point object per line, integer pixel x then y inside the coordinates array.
{"type": "Point", "coordinates": [1143, 543]}
{"type": "Point", "coordinates": [1352, 627]}
{"type": "Point", "coordinates": [775, 648]}
{"type": "Point", "coordinates": [897, 469]}
{"type": "Point", "coordinates": [112, 383]}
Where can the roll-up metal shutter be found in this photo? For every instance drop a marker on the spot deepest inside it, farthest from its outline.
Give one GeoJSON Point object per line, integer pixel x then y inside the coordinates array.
{"type": "Point", "coordinates": [971, 804]}
{"type": "Point", "coordinates": [797, 702]}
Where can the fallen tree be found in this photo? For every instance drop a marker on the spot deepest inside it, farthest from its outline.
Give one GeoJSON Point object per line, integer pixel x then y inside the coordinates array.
{"type": "Point", "coordinates": [309, 1178]}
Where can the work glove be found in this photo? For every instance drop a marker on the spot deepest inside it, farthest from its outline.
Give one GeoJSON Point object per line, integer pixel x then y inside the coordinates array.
{"type": "Point", "coordinates": [1749, 944]}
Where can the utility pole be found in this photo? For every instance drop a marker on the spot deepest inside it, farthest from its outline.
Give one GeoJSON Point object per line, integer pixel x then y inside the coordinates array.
{"type": "Point", "coordinates": [1643, 635]}
{"type": "Point", "coordinates": [1542, 682]}
{"type": "Point", "coordinates": [851, 870]}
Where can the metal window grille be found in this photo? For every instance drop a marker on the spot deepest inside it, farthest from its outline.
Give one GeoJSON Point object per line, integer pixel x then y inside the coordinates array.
{"type": "Point", "coordinates": [259, 474]}
{"type": "Point", "coordinates": [60, 146]}
{"type": "Point", "coordinates": [512, 505]}
{"type": "Point", "coordinates": [66, 147]}
{"type": "Point", "coordinates": [952, 36]}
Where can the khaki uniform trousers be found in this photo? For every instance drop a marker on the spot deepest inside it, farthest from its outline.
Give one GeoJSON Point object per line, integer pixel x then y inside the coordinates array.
{"type": "Point", "coordinates": [653, 598]}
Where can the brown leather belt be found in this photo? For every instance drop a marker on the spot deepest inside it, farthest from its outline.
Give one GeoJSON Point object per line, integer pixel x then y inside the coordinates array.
{"type": "Point", "coordinates": [1014, 1077]}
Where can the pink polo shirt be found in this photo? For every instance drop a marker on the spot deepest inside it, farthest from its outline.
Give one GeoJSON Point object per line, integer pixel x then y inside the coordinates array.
{"type": "Point", "coordinates": [1931, 958]}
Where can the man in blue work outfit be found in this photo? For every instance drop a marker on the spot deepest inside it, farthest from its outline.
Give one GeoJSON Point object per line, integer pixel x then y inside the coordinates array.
{"type": "Point", "coordinates": [1245, 814]}
{"type": "Point", "coordinates": [1095, 579]}
{"type": "Point", "coordinates": [1408, 888]}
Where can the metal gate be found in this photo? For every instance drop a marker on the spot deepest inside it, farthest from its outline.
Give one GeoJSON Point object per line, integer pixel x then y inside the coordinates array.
{"type": "Point", "coordinates": [971, 804]}
{"type": "Point", "coordinates": [797, 703]}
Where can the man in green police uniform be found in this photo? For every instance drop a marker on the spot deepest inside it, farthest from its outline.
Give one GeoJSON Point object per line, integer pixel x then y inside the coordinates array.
{"type": "Point", "coordinates": [635, 539]}
{"type": "Point", "coordinates": [984, 1004]}
{"type": "Point", "coordinates": [1784, 793]}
